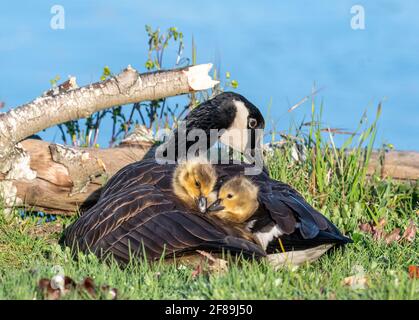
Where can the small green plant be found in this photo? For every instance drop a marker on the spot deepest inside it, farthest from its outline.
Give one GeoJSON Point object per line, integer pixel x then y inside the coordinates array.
{"type": "Point", "coordinates": [157, 44]}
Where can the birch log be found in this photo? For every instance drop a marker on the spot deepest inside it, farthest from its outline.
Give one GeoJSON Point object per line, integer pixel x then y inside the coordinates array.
{"type": "Point", "coordinates": [67, 179]}
{"type": "Point", "coordinates": [55, 178]}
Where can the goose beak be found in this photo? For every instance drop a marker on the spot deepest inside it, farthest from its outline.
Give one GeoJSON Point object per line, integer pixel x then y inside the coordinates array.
{"type": "Point", "coordinates": [202, 204]}
{"type": "Point", "coordinates": [216, 206]}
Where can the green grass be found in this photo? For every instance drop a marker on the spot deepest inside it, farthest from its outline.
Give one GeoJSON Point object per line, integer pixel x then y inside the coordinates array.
{"type": "Point", "coordinates": [24, 259]}
{"type": "Point", "coordinates": [332, 180]}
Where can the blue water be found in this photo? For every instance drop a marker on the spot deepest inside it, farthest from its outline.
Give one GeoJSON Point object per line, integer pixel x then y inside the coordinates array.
{"type": "Point", "coordinates": [276, 50]}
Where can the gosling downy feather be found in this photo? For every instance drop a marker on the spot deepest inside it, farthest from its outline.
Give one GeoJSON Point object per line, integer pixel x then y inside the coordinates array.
{"type": "Point", "coordinates": [237, 200]}
{"type": "Point", "coordinates": [193, 182]}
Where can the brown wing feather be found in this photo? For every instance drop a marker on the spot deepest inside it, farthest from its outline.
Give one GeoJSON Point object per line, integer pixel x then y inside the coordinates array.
{"type": "Point", "coordinates": [143, 220]}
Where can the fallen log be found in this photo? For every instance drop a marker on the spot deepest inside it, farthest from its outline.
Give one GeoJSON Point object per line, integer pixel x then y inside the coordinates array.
{"type": "Point", "coordinates": [69, 181]}
{"type": "Point", "coordinates": [66, 183]}
{"type": "Point", "coordinates": [401, 165]}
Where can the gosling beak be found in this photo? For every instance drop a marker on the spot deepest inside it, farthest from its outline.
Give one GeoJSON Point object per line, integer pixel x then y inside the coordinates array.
{"type": "Point", "coordinates": [202, 204]}
{"type": "Point", "coordinates": [216, 206]}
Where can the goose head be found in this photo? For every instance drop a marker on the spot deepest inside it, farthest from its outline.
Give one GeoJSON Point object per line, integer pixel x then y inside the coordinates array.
{"type": "Point", "coordinates": [193, 182]}
{"type": "Point", "coordinates": [228, 117]}
{"type": "Point", "coordinates": [237, 200]}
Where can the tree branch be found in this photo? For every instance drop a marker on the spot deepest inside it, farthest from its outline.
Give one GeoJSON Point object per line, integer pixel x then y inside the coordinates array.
{"type": "Point", "coordinates": [127, 87]}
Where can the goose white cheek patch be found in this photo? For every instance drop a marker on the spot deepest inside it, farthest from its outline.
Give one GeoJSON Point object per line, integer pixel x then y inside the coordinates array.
{"type": "Point", "coordinates": [236, 136]}
{"type": "Point", "coordinates": [239, 137]}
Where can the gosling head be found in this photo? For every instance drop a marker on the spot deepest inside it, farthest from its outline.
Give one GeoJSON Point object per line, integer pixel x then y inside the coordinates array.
{"type": "Point", "coordinates": [193, 182]}
{"type": "Point", "coordinates": [237, 200]}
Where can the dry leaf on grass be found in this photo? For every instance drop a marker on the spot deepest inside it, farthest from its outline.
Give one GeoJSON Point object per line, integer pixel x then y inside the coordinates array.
{"type": "Point", "coordinates": [392, 236]}
{"type": "Point", "coordinates": [89, 286]}
{"type": "Point", "coordinates": [216, 265]}
{"type": "Point", "coordinates": [378, 233]}
{"type": "Point", "coordinates": [376, 230]}
{"type": "Point", "coordinates": [414, 272]}
{"type": "Point", "coordinates": [356, 282]}
{"type": "Point", "coordinates": [110, 293]}
{"type": "Point", "coordinates": [58, 286]}
{"type": "Point", "coordinates": [197, 271]}
{"type": "Point", "coordinates": [212, 265]}
{"type": "Point", "coordinates": [410, 232]}
{"type": "Point", "coordinates": [332, 296]}
{"type": "Point", "coordinates": [366, 228]}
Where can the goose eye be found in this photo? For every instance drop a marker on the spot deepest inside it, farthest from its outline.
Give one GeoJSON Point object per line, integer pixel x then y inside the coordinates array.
{"type": "Point", "coordinates": [229, 196]}
{"type": "Point", "coordinates": [253, 123]}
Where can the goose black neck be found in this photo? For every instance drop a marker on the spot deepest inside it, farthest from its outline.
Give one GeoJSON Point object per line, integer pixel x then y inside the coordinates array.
{"type": "Point", "coordinates": [203, 121]}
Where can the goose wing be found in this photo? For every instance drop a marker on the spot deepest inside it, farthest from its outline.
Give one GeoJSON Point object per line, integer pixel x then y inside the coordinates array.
{"type": "Point", "coordinates": [311, 223]}
{"type": "Point", "coordinates": [142, 221]}
{"type": "Point", "coordinates": [145, 172]}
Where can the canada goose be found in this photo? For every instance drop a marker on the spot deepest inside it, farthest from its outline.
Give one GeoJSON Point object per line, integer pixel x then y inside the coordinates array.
{"type": "Point", "coordinates": [139, 214]}
{"type": "Point", "coordinates": [237, 200]}
{"type": "Point", "coordinates": [193, 182]}
{"type": "Point", "coordinates": [138, 211]}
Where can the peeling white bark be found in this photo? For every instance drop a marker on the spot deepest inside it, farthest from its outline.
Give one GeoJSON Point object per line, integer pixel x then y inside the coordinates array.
{"type": "Point", "coordinates": [56, 178]}
{"type": "Point", "coordinates": [140, 134]}
{"type": "Point", "coordinates": [81, 166]}
{"type": "Point", "coordinates": [196, 79]}
{"type": "Point", "coordinates": [66, 178]}
{"type": "Point", "coordinates": [20, 167]}
{"type": "Point", "coordinates": [8, 192]}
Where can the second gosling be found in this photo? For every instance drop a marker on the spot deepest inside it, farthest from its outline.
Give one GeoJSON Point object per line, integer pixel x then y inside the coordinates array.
{"type": "Point", "coordinates": [237, 200]}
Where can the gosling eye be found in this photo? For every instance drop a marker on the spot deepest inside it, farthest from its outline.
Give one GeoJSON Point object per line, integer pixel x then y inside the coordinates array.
{"type": "Point", "coordinates": [197, 184]}
{"type": "Point", "coordinates": [252, 123]}
{"type": "Point", "coordinates": [229, 196]}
